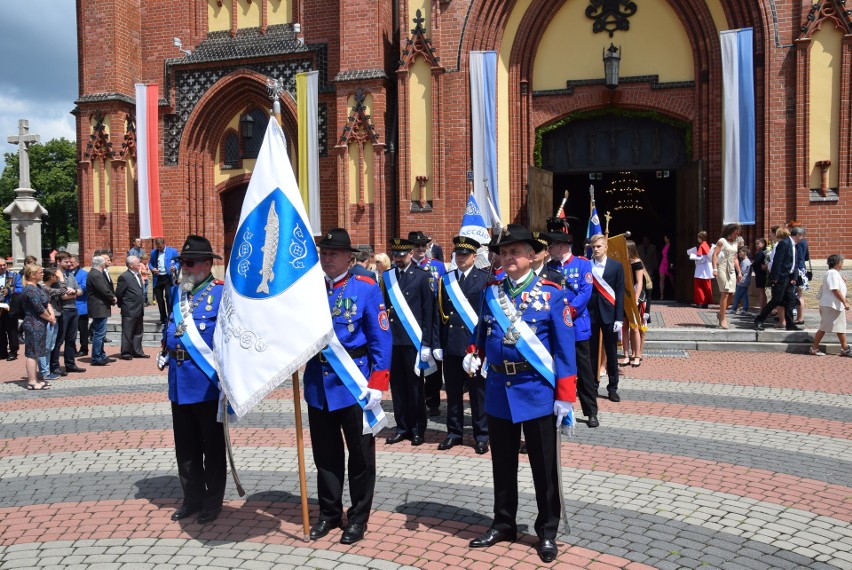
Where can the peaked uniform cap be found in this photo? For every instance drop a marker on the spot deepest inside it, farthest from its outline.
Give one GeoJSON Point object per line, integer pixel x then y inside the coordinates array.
{"type": "Point", "coordinates": [401, 244]}
{"type": "Point", "coordinates": [197, 247]}
{"type": "Point", "coordinates": [464, 244]}
{"type": "Point", "coordinates": [336, 238]}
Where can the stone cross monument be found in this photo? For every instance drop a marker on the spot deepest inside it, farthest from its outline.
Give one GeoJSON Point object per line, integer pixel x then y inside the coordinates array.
{"type": "Point", "coordinates": [25, 212]}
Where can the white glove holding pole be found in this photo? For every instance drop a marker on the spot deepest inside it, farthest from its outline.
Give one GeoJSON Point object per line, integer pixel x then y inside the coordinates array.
{"type": "Point", "coordinates": [162, 360]}
{"type": "Point", "coordinates": [425, 353]}
{"type": "Point", "coordinates": [471, 363]}
{"type": "Point", "coordinates": [372, 397]}
{"type": "Point", "coordinates": [438, 354]}
{"type": "Point", "coordinates": [616, 326]}
{"type": "Point", "coordinates": [561, 408]}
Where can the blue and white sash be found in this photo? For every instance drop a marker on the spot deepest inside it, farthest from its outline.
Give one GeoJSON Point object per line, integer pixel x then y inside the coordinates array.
{"type": "Point", "coordinates": [353, 380]}
{"type": "Point", "coordinates": [409, 323]}
{"type": "Point", "coordinates": [528, 344]}
{"type": "Point", "coordinates": [460, 302]}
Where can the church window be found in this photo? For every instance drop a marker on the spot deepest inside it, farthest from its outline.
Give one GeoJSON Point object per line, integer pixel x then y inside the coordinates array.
{"type": "Point", "coordinates": [231, 151]}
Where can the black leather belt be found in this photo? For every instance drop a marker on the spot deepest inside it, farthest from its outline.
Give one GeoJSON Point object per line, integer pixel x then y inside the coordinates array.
{"type": "Point", "coordinates": [510, 368]}
{"type": "Point", "coordinates": [180, 355]}
{"type": "Point", "coordinates": [356, 352]}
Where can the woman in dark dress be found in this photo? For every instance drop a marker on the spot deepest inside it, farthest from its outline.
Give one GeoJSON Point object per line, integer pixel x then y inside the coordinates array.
{"type": "Point", "coordinates": [37, 313]}
{"type": "Point", "coordinates": [760, 270]}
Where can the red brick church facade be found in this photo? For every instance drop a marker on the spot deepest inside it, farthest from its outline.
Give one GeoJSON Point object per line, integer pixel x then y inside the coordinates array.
{"type": "Point", "coordinates": [371, 56]}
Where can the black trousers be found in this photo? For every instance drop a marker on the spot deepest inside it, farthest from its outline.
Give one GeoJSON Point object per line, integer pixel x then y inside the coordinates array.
{"type": "Point", "coordinates": [131, 336]}
{"type": "Point", "coordinates": [200, 453]}
{"type": "Point", "coordinates": [587, 382]}
{"type": "Point", "coordinates": [454, 379]}
{"type": "Point", "coordinates": [9, 344]}
{"type": "Point", "coordinates": [162, 292]}
{"type": "Point", "coordinates": [83, 329]}
{"type": "Point", "coordinates": [783, 293]}
{"type": "Point", "coordinates": [540, 436]}
{"type": "Point", "coordinates": [407, 392]}
{"type": "Point", "coordinates": [610, 347]}
{"type": "Point", "coordinates": [327, 444]}
{"type": "Point", "coordinates": [432, 388]}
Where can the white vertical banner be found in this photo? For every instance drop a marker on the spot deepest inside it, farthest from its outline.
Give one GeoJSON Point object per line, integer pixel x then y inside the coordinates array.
{"type": "Point", "coordinates": [483, 132]}
{"type": "Point", "coordinates": [147, 161]}
{"type": "Point", "coordinates": [307, 104]}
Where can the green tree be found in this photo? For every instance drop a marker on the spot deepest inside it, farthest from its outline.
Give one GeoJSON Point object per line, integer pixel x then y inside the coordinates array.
{"type": "Point", "coordinates": [53, 175]}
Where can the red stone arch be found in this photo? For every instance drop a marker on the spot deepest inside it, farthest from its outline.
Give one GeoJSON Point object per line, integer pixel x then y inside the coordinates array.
{"type": "Point", "coordinates": [699, 103]}
{"type": "Point", "coordinates": [237, 91]}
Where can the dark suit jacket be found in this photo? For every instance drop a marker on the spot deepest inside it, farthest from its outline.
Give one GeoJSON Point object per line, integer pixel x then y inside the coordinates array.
{"type": "Point", "coordinates": [101, 297]}
{"type": "Point", "coordinates": [782, 261]}
{"type": "Point", "coordinates": [455, 336]}
{"type": "Point", "coordinates": [130, 295]}
{"type": "Point", "coordinates": [602, 311]}
{"type": "Point", "coordinates": [414, 284]}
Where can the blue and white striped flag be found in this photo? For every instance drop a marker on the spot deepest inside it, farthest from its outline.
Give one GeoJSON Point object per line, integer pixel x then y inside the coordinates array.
{"type": "Point", "coordinates": [270, 320]}
{"type": "Point", "coordinates": [473, 222]}
{"type": "Point", "coordinates": [738, 145]}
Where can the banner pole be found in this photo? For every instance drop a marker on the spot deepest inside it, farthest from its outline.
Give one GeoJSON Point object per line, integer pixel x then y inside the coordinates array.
{"type": "Point", "coordinates": [300, 451]}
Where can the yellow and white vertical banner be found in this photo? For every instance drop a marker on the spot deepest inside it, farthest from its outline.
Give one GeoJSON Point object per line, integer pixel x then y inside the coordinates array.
{"type": "Point", "coordinates": [307, 88]}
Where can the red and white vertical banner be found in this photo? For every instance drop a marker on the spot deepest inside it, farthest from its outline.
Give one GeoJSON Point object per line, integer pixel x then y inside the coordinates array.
{"type": "Point", "coordinates": [147, 161]}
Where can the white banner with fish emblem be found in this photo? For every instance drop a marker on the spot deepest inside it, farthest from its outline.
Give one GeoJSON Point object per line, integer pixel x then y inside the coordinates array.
{"type": "Point", "coordinates": [268, 325]}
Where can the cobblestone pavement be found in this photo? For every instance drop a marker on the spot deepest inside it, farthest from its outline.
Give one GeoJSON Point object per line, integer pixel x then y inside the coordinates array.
{"type": "Point", "coordinates": [712, 460]}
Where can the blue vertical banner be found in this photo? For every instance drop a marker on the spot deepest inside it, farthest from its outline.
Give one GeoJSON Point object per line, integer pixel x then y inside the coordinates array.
{"type": "Point", "coordinates": [738, 143]}
{"type": "Point", "coordinates": [483, 132]}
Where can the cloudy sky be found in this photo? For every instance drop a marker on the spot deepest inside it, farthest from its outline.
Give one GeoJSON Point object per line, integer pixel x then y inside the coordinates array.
{"type": "Point", "coordinates": [38, 68]}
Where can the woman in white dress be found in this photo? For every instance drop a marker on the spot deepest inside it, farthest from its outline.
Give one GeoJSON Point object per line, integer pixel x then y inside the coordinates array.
{"type": "Point", "coordinates": [832, 307]}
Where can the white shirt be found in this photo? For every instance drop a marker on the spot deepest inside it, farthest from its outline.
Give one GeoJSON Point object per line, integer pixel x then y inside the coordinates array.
{"type": "Point", "coordinates": [832, 281]}
{"type": "Point", "coordinates": [598, 267]}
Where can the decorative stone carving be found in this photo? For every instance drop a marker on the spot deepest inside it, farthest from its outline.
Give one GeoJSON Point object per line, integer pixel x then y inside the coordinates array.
{"type": "Point", "coordinates": [609, 16]}
{"type": "Point", "coordinates": [99, 146]}
{"type": "Point", "coordinates": [418, 43]}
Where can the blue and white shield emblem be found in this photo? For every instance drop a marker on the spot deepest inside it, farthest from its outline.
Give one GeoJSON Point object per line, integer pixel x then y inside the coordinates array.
{"type": "Point", "coordinates": [265, 263]}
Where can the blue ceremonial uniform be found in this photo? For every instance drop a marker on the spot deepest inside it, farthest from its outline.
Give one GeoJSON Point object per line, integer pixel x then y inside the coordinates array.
{"type": "Point", "coordinates": [527, 395]}
{"type": "Point", "coordinates": [362, 299]}
{"type": "Point", "coordinates": [187, 382]}
{"type": "Point", "coordinates": [435, 268]}
{"type": "Point", "coordinates": [518, 399]}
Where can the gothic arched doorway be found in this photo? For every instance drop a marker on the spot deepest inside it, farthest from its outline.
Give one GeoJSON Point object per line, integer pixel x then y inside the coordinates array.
{"type": "Point", "coordinates": [232, 203]}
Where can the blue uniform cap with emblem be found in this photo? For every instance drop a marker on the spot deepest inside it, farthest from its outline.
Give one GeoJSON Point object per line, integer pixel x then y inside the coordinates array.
{"type": "Point", "coordinates": [464, 244]}
{"type": "Point", "coordinates": [515, 233]}
{"type": "Point", "coordinates": [197, 247]}
{"type": "Point", "coordinates": [337, 238]}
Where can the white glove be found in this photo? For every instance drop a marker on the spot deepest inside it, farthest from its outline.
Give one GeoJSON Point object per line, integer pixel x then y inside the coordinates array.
{"type": "Point", "coordinates": [471, 363]}
{"type": "Point", "coordinates": [162, 360]}
{"type": "Point", "coordinates": [561, 408]}
{"type": "Point", "coordinates": [373, 399]}
{"type": "Point", "coordinates": [438, 354]}
{"type": "Point", "coordinates": [646, 317]}
{"type": "Point", "coordinates": [425, 353]}
{"type": "Point", "coordinates": [616, 326]}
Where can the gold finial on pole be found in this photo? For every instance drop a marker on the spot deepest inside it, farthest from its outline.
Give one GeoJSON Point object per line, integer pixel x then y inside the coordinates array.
{"type": "Point", "coordinates": [608, 217]}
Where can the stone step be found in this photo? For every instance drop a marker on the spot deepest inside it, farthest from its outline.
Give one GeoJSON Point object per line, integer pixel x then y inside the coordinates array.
{"type": "Point", "coordinates": [754, 346]}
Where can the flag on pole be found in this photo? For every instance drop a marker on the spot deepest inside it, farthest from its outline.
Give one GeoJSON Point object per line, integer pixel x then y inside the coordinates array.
{"type": "Point", "coordinates": [273, 280]}
{"type": "Point", "coordinates": [307, 107]}
{"type": "Point", "coordinates": [738, 144]}
{"type": "Point", "coordinates": [594, 226]}
{"type": "Point", "coordinates": [483, 107]}
{"type": "Point", "coordinates": [473, 223]}
{"type": "Point", "coordinates": [147, 161]}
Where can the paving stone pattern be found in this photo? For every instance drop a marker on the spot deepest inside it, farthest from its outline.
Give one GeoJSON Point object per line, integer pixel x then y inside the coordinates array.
{"type": "Point", "coordinates": [697, 467]}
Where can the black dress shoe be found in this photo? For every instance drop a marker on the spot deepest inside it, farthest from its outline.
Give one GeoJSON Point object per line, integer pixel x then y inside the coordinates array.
{"type": "Point", "coordinates": [396, 438]}
{"type": "Point", "coordinates": [59, 371]}
{"type": "Point", "coordinates": [353, 533]}
{"type": "Point", "coordinates": [492, 537]}
{"type": "Point", "coordinates": [322, 528]}
{"type": "Point", "coordinates": [614, 397]}
{"type": "Point", "coordinates": [794, 328]}
{"type": "Point", "coordinates": [447, 443]}
{"type": "Point", "coordinates": [184, 512]}
{"type": "Point", "coordinates": [758, 326]}
{"type": "Point", "coordinates": [434, 412]}
{"type": "Point", "coordinates": [208, 515]}
{"type": "Point", "coordinates": [141, 356]}
{"type": "Point", "coordinates": [126, 357]}
{"type": "Point", "coordinates": [593, 422]}
{"type": "Point", "coordinates": [74, 369]}
{"type": "Point", "coordinates": [546, 549]}
{"type": "Point", "coordinates": [417, 440]}
{"type": "Point", "coordinates": [82, 353]}
{"type": "Point", "coordinates": [481, 447]}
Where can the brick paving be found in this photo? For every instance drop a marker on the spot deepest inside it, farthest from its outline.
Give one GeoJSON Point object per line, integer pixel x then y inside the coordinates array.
{"type": "Point", "coordinates": [712, 460]}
